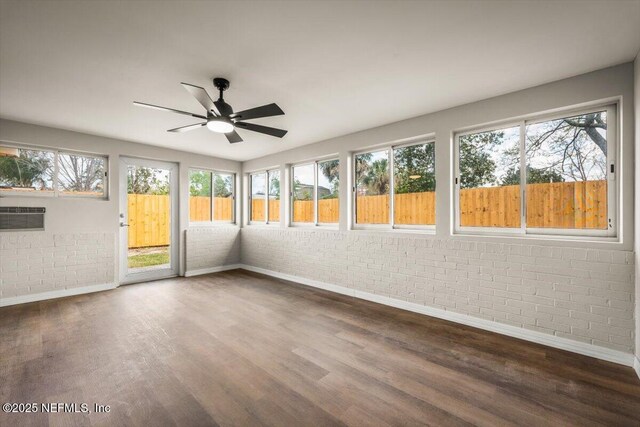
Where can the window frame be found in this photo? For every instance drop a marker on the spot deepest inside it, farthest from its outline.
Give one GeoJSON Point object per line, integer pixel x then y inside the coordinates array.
{"type": "Point", "coordinates": [212, 204]}
{"type": "Point", "coordinates": [56, 170]}
{"type": "Point", "coordinates": [266, 197]}
{"type": "Point", "coordinates": [431, 228]}
{"type": "Point", "coordinates": [315, 222]}
{"type": "Point", "coordinates": [613, 186]}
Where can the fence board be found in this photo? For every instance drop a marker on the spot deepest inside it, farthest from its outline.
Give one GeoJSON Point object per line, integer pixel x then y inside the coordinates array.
{"type": "Point", "coordinates": [257, 209]}
{"type": "Point", "coordinates": [274, 210]}
{"type": "Point", "coordinates": [328, 211]}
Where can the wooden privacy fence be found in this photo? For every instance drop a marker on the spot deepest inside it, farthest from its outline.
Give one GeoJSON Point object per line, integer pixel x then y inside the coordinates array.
{"type": "Point", "coordinates": [258, 211]}
{"type": "Point", "coordinates": [200, 208]}
{"type": "Point", "coordinates": [149, 219]}
{"type": "Point", "coordinates": [578, 205]}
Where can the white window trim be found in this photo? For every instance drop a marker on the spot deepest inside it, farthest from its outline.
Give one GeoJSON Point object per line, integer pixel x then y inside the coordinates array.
{"type": "Point", "coordinates": [315, 222]}
{"type": "Point", "coordinates": [54, 182]}
{"type": "Point", "coordinates": [613, 186]}
{"type": "Point", "coordinates": [213, 222]}
{"type": "Point", "coordinates": [391, 226]}
{"type": "Point", "coordinates": [266, 221]}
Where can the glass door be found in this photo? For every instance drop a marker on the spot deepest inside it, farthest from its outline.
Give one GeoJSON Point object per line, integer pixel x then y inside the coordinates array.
{"type": "Point", "coordinates": [148, 220]}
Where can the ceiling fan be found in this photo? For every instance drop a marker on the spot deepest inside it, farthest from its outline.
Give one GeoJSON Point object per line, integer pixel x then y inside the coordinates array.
{"type": "Point", "coordinates": [220, 117]}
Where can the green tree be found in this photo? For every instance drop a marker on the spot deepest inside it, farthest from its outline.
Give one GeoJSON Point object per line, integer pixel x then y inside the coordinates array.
{"type": "Point", "coordinates": [30, 168]}
{"type": "Point", "coordinates": [274, 187]}
{"type": "Point", "coordinates": [222, 185]}
{"type": "Point", "coordinates": [477, 168]}
{"type": "Point", "coordinates": [414, 169]}
{"type": "Point", "coordinates": [200, 183]}
{"type": "Point", "coordinates": [141, 180]}
{"type": "Point", "coordinates": [331, 171]}
{"type": "Point", "coordinates": [376, 178]}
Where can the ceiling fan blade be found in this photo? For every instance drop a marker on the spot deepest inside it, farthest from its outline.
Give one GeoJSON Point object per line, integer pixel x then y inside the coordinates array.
{"type": "Point", "coordinates": [258, 112]}
{"type": "Point", "coordinates": [188, 127]}
{"type": "Point", "coordinates": [233, 137]}
{"type": "Point", "coordinates": [202, 96]}
{"type": "Point", "coordinates": [262, 129]}
{"type": "Point", "coordinates": [171, 110]}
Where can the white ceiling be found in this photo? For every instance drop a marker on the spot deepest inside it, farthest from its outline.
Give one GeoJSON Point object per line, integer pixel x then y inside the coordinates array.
{"type": "Point", "coordinates": [335, 67]}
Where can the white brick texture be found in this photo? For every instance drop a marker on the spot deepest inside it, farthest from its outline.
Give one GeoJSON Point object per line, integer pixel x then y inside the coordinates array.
{"type": "Point", "coordinates": [36, 262]}
{"type": "Point", "coordinates": [209, 247]}
{"type": "Point", "coordinates": [581, 294]}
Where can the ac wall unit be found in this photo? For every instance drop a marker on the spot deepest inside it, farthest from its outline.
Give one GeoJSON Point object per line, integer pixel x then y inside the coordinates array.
{"type": "Point", "coordinates": [15, 218]}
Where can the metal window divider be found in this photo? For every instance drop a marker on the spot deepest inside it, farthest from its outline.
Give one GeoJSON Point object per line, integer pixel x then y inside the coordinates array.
{"type": "Point", "coordinates": [315, 193]}
{"type": "Point", "coordinates": [523, 178]}
{"type": "Point", "coordinates": [391, 189]}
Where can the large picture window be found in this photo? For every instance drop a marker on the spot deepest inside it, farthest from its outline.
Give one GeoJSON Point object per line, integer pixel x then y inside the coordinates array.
{"type": "Point", "coordinates": [396, 186]}
{"type": "Point", "coordinates": [264, 204]}
{"type": "Point", "coordinates": [546, 175]}
{"type": "Point", "coordinates": [316, 190]}
{"type": "Point", "coordinates": [211, 196]}
{"type": "Point", "coordinates": [31, 171]}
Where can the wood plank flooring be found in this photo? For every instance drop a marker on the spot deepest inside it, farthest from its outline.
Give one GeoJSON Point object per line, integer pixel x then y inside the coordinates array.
{"type": "Point", "coordinates": [239, 348]}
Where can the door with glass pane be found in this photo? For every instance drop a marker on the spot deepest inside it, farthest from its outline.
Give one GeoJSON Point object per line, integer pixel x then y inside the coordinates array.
{"type": "Point", "coordinates": [148, 220]}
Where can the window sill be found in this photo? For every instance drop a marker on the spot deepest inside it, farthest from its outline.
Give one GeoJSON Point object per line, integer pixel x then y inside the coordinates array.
{"type": "Point", "coordinates": [311, 226]}
{"type": "Point", "coordinates": [405, 231]}
{"type": "Point", "coordinates": [588, 242]}
{"type": "Point", "coordinates": [47, 195]}
{"type": "Point", "coordinates": [212, 224]}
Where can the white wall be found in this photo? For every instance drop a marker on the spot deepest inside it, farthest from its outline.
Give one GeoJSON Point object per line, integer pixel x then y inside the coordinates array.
{"type": "Point", "coordinates": [579, 290]}
{"type": "Point", "coordinates": [637, 205]}
{"type": "Point", "coordinates": [67, 217]}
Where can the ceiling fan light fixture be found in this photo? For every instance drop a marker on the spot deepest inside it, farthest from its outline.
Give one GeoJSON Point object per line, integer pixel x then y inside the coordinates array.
{"type": "Point", "coordinates": [220, 125]}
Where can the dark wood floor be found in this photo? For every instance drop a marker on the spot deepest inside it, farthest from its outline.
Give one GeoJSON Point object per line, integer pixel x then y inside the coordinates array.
{"type": "Point", "coordinates": [238, 348]}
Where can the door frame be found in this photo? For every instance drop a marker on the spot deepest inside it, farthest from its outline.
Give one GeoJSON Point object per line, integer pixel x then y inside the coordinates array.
{"type": "Point", "coordinates": [123, 218]}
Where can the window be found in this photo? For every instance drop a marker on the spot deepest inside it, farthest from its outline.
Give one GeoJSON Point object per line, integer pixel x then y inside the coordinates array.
{"type": "Point", "coordinates": [547, 175]}
{"type": "Point", "coordinates": [489, 178]}
{"type": "Point", "coordinates": [200, 206]}
{"type": "Point", "coordinates": [316, 192]}
{"type": "Point", "coordinates": [265, 197]}
{"type": "Point", "coordinates": [414, 185]}
{"type": "Point", "coordinates": [30, 171]}
{"type": "Point", "coordinates": [223, 197]}
{"type": "Point", "coordinates": [372, 187]}
{"type": "Point", "coordinates": [328, 192]}
{"type": "Point", "coordinates": [395, 187]}
{"type": "Point", "coordinates": [274, 196]}
{"type": "Point", "coordinates": [304, 193]}
{"type": "Point", "coordinates": [211, 195]}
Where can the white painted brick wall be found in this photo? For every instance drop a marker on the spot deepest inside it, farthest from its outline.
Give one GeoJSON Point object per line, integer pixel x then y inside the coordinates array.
{"type": "Point", "coordinates": [209, 247]}
{"type": "Point", "coordinates": [580, 294]}
{"type": "Point", "coordinates": [36, 262]}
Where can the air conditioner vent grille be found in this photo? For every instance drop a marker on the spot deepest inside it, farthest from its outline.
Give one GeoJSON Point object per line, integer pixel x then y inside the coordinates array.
{"type": "Point", "coordinates": [18, 218]}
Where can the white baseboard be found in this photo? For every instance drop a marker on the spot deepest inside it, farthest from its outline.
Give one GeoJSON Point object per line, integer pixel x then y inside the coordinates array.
{"type": "Point", "coordinates": [598, 352]}
{"type": "Point", "coordinates": [56, 294]}
{"type": "Point", "coordinates": [636, 366]}
{"type": "Point", "coordinates": [212, 270]}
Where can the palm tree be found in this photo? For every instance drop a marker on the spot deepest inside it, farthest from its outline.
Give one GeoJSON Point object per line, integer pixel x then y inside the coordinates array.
{"type": "Point", "coordinates": [376, 178]}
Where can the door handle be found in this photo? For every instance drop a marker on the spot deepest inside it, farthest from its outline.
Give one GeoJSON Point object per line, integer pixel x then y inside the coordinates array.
{"type": "Point", "coordinates": [122, 224]}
